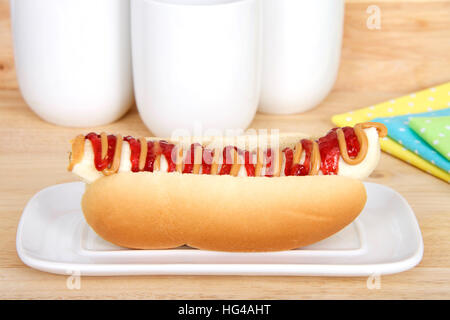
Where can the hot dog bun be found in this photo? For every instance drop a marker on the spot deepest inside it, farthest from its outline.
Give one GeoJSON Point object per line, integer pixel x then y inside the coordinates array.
{"type": "Point", "coordinates": [166, 210]}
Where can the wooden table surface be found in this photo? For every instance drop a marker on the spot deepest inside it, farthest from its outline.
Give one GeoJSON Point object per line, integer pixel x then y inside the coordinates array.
{"type": "Point", "coordinates": [410, 52]}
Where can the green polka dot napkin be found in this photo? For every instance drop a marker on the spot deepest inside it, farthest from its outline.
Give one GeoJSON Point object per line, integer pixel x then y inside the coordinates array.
{"type": "Point", "coordinates": [435, 131]}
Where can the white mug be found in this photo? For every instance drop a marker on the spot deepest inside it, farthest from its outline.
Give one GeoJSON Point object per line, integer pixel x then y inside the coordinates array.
{"type": "Point", "coordinates": [73, 59]}
{"type": "Point", "coordinates": [196, 63]}
{"type": "Point", "coordinates": [301, 53]}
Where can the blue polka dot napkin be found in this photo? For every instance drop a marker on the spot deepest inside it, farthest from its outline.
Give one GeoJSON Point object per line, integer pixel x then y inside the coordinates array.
{"type": "Point", "coordinates": [399, 130]}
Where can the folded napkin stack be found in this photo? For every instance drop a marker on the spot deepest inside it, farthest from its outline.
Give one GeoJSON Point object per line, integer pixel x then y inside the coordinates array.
{"type": "Point", "coordinates": [418, 126]}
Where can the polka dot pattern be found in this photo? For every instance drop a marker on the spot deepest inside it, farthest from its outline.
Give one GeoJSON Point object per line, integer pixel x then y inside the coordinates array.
{"type": "Point", "coordinates": [434, 131]}
{"type": "Point", "coordinates": [399, 129]}
{"type": "Point", "coordinates": [428, 100]}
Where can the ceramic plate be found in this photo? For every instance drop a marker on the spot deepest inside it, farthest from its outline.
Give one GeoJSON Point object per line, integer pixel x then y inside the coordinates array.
{"type": "Point", "coordinates": [53, 236]}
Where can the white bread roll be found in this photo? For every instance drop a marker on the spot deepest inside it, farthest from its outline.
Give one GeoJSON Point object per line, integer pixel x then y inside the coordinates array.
{"type": "Point", "coordinates": [166, 210]}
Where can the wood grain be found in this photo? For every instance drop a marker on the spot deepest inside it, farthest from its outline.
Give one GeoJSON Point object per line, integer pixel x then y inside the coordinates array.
{"type": "Point", "coordinates": [7, 72]}
{"type": "Point", "coordinates": [410, 52]}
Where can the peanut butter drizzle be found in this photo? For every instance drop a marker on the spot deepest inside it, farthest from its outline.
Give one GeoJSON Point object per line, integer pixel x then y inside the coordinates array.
{"type": "Point", "coordinates": [116, 160]}
{"type": "Point", "coordinates": [363, 145]}
{"type": "Point", "coordinates": [236, 163]}
{"type": "Point", "coordinates": [78, 145]}
{"type": "Point", "coordinates": [278, 158]}
{"type": "Point", "coordinates": [179, 159]}
{"type": "Point", "coordinates": [315, 159]}
{"type": "Point", "coordinates": [143, 155]}
{"type": "Point", "coordinates": [215, 162]}
{"type": "Point", "coordinates": [77, 152]}
{"type": "Point", "coordinates": [259, 162]}
{"type": "Point", "coordinates": [298, 153]}
{"type": "Point", "coordinates": [381, 128]}
{"type": "Point", "coordinates": [198, 156]}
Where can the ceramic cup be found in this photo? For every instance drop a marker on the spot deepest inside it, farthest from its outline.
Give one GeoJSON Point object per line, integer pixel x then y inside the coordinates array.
{"type": "Point", "coordinates": [73, 59]}
{"type": "Point", "coordinates": [196, 63]}
{"type": "Point", "coordinates": [301, 53]}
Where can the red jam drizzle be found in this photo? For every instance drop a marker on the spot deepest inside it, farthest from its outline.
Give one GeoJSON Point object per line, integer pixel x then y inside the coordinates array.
{"type": "Point", "coordinates": [135, 147]}
{"type": "Point", "coordinates": [302, 169]}
{"type": "Point", "coordinates": [96, 141]}
{"type": "Point", "coordinates": [269, 163]}
{"type": "Point", "coordinates": [207, 160]}
{"type": "Point", "coordinates": [249, 166]}
{"type": "Point", "coordinates": [190, 159]}
{"type": "Point", "coordinates": [227, 161]}
{"type": "Point", "coordinates": [289, 160]}
{"type": "Point", "coordinates": [329, 149]}
{"type": "Point", "coordinates": [152, 153]}
{"type": "Point", "coordinates": [112, 141]}
{"type": "Point", "coordinates": [167, 150]}
{"type": "Point", "coordinates": [351, 139]}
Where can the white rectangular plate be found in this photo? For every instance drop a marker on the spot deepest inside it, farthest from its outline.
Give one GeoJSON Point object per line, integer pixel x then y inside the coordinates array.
{"type": "Point", "coordinates": [53, 236]}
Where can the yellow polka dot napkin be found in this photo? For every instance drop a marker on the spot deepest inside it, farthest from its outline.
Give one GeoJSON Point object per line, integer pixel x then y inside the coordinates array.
{"type": "Point", "coordinates": [435, 98]}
